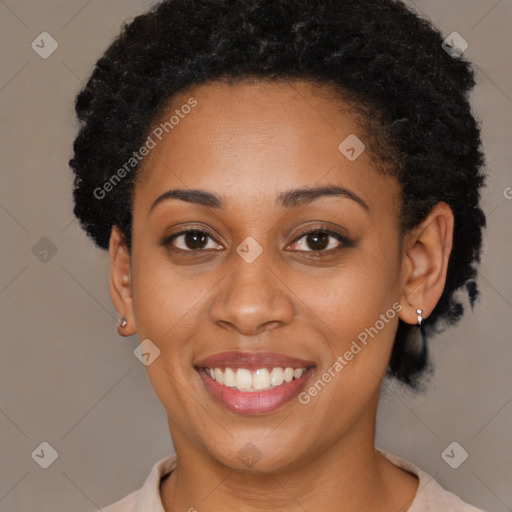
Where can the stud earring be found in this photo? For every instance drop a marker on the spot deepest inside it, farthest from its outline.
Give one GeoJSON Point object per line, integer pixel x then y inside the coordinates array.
{"type": "Point", "coordinates": [420, 318]}
{"type": "Point", "coordinates": [124, 322]}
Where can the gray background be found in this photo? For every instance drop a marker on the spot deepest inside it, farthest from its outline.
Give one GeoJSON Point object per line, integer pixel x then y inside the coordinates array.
{"type": "Point", "coordinates": [68, 379]}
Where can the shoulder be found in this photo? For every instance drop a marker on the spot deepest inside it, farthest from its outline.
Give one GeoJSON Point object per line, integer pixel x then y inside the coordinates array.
{"type": "Point", "coordinates": [127, 504]}
{"type": "Point", "coordinates": [430, 496]}
{"type": "Point", "coordinates": [148, 496]}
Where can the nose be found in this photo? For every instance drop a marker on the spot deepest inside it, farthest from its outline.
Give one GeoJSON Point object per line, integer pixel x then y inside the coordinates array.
{"type": "Point", "coordinates": [252, 298]}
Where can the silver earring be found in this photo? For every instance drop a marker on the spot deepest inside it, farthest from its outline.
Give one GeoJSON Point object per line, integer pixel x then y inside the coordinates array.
{"type": "Point", "coordinates": [124, 322]}
{"type": "Point", "coordinates": [420, 318]}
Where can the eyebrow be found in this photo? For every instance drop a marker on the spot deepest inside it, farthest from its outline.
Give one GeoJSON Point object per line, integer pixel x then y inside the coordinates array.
{"type": "Point", "coordinates": [289, 199]}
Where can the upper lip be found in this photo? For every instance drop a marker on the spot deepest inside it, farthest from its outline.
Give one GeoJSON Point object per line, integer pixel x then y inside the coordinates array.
{"type": "Point", "coordinates": [252, 360]}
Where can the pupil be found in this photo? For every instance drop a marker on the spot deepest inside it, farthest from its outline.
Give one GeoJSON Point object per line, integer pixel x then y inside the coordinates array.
{"type": "Point", "coordinates": [320, 241]}
{"type": "Point", "coordinates": [195, 239]}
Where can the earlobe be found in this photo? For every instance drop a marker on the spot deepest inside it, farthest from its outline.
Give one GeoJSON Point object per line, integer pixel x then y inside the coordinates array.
{"type": "Point", "coordinates": [426, 256]}
{"type": "Point", "coordinates": [120, 282]}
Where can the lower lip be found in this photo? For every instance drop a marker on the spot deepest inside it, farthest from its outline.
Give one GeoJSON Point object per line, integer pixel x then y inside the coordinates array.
{"type": "Point", "coordinates": [254, 402]}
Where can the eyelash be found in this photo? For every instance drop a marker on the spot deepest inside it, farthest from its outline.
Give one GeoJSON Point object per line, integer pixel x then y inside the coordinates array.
{"type": "Point", "coordinates": [344, 241]}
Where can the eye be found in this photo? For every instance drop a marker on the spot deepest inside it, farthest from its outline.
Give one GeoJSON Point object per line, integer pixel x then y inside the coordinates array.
{"type": "Point", "coordinates": [321, 241]}
{"type": "Point", "coordinates": [191, 240]}
{"type": "Point", "coordinates": [318, 241]}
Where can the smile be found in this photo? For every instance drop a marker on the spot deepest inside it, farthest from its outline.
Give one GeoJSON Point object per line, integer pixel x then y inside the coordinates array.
{"type": "Point", "coordinates": [253, 383]}
{"type": "Point", "coordinates": [261, 379]}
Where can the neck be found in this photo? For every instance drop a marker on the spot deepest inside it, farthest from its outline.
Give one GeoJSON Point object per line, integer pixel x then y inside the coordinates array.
{"type": "Point", "coordinates": [348, 475]}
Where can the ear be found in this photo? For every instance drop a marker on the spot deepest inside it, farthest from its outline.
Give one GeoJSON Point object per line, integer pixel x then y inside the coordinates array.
{"type": "Point", "coordinates": [120, 281]}
{"type": "Point", "coordinates": [426, 253]}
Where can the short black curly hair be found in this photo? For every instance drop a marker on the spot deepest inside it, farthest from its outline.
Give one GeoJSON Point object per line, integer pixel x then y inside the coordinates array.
{"type": "Point", "coordinates": [378, 54]}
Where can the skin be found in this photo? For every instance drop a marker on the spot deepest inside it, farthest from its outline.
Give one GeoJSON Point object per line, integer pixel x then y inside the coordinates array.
{"type": "Point", "coordinates": [248, 143]}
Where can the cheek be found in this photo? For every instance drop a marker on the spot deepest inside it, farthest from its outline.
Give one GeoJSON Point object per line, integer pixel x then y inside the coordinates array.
{"type": "Point", "coordinates": [165, 298]}
{"type": "Point", "coordinates": [353, 296]}
{"type": "Point", "coordinates": [357, 309]}
{"type": "Point", "coordinates": [167, 309]}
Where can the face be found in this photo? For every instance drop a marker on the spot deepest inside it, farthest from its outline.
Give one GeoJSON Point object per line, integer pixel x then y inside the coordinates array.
{"type": "Point", "coordinates": [288, 257]}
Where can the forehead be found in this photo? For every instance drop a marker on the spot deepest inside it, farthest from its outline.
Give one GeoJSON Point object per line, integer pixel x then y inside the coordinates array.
{"type": "Point", "coordinates": [245, 139]}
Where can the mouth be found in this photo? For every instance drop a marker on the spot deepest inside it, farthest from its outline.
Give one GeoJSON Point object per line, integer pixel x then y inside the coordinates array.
{"type": "Point", "coordinates": [253, 383]}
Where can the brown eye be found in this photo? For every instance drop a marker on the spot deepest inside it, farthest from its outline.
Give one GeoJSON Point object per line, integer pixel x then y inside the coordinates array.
{"type": "Point", "coordinates": [191, 240]}
{"type": "Point", "coordinates": [317, 241]}
{"type": "Point", "coordinates": [195, 240]}
{"type": "Point", "coordinates": [321, 241]}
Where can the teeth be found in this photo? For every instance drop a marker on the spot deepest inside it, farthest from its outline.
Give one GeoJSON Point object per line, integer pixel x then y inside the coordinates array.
{"type": "Point", "coordinates": [298, 373]}
{"type": "Point", "coordinates": [261, 379]}
{"type": "Point", "coordinates": [276, 376]}
{"type": "Point", "coordinates": [218, 375]}
{"type": "Point", "coordinates": [229, 378]}
{"type": "Point", "coordinates": [243, 379]}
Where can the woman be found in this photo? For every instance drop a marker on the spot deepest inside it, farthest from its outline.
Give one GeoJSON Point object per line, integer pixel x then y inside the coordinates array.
{"type": "Point", "coordinates": [289, 194]}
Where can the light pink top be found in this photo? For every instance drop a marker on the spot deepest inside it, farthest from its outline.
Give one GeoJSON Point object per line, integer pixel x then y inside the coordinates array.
{"type": "Point", "coordinates": [430, 497]}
